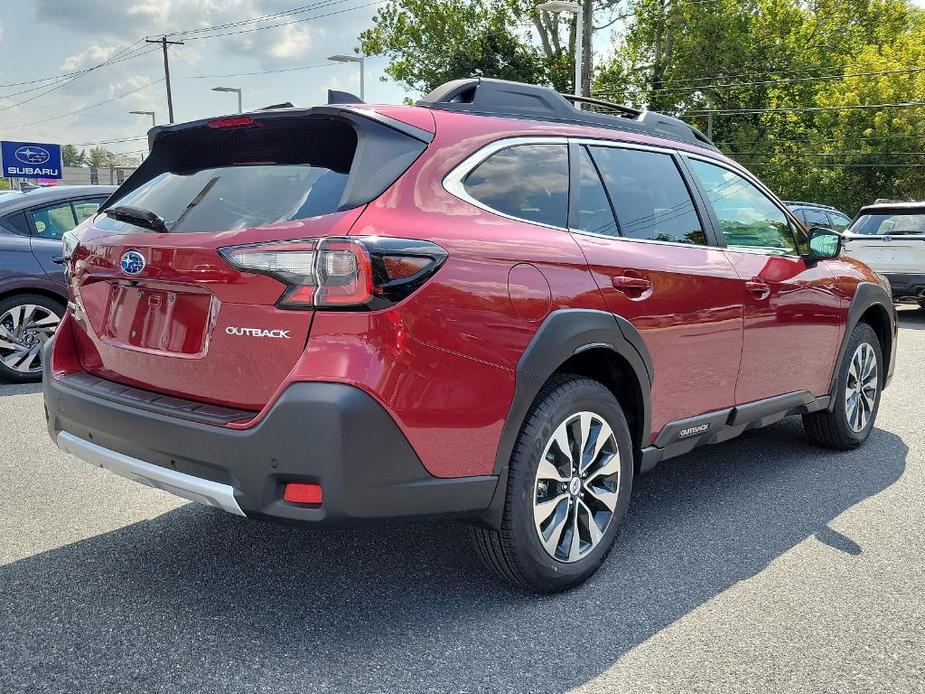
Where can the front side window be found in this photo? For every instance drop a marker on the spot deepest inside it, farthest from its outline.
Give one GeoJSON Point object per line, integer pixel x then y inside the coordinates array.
{"type": "Point", "coordinates": [649, 195]}
{"type": "Point", "coordinates": [51, 222]}
{"type": "Point", "coordinates": [528, 182]}
{"type": "Point", "coordinates": [839, 221]}
{"type": "Point", "coordinates": [85, 209]}
{"type": "Point", "coordinates": [747, 217]}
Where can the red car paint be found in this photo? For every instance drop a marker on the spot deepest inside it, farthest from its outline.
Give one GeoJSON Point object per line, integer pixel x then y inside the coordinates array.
{"type": "Point", "coordinates": [442, 361]}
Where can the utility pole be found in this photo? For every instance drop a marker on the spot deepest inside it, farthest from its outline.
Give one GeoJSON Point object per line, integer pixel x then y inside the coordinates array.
{"type": "Point", "coordinates": [164, 43]}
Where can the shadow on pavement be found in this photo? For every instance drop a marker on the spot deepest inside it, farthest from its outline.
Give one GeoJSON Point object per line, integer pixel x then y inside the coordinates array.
{"type": "Point", "coordinates": [19, 388]}
{"type": "Point", "coordinates": [196, 600]}
{"type": "Point", "coordinates": [911, 318]}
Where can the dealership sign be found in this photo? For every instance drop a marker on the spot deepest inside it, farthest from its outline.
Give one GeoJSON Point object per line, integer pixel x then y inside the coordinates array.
{"type": "Point", "coordinates": [30, 160]}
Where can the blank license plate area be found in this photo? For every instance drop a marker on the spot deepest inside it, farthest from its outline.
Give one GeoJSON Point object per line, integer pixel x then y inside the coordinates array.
{"type": "Point", "coordinates": [157, 319]}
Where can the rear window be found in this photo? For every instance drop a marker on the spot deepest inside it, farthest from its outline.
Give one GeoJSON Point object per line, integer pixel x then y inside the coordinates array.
{"type": "Point", "coordinates": [889, 223]}
{"type": "Point", "coordinates": [278, 170]}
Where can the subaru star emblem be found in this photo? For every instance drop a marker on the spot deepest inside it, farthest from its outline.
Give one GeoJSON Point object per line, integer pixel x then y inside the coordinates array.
{"type": "Point", "coordinates": [30, 154]}
{"type": "Point", "coordinates": [132, 263]}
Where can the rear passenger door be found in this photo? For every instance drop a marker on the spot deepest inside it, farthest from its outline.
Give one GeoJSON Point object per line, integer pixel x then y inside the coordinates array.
{"type": "Point", "coordinates": [633, 215]}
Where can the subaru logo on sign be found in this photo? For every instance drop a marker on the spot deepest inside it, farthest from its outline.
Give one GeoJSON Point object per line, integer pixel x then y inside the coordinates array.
{"type": "Point", "coordinates": [31, 154]}
{"type": "Point", "coordinates": [133, 262]}
{"type": "Point", "coordinates": [30, 160]}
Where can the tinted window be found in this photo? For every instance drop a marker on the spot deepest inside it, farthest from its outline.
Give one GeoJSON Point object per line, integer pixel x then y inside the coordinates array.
{"type": "Point", "coordinates": [594, 213]}
{"type": "Point", "coordinates": [16, 223]}
{"type": "Point", "coordinates": [234, 197]}
{"type": "Point", "coordinates": [839, 221]}
{"type": "Point", "coordinates": [51, 222]}
{"type": "Point", "coordinates": [747, 217]}
{"type": "Point", "coordinates": [649, 195]}
{"type": "Point", "coordinates": [889, 223]}
{"type": "Point", "coordinates": [525, 181]}
{"type": "Point", "coordinates": [84, 209]}
{"type": "Point", "coordinates": [816, 218]}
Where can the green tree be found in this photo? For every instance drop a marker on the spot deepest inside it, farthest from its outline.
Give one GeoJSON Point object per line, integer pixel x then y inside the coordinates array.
{"type": "Point", "coordinates": [98, 157]}
{"type": "Point", "coordinates": [71, 156]}
{"type": "Point", "coordinates": [431, 42]}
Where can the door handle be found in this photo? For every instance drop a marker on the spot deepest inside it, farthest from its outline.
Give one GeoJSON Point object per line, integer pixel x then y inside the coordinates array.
{"type": "Point", "coordinates": [759, 289]}
{"type": "Point", "coordinates": [631, 285]}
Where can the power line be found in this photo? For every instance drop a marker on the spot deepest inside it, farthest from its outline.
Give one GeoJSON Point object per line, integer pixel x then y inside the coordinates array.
{"type": "Point", "coordinates": [256, 20]}
{"type": "Point", "coordinates": [111, 142]}
{"type": "Point", "coordinates": [846, 166]}
{"type": "Point", "coordinates": [247, 74]}
{"type": "Point", "coordinates": [281, 24]}
{"type": "Point", "coordinates": [85, 108]}
{"type": "Point", "coordinates": [785, 80]}
{"type": "Point", "coordinates": [82, 71]}
{"type": "Point", "coordinates": [825, 154]}
{"type": "Point", "coordinates": [802, 109]}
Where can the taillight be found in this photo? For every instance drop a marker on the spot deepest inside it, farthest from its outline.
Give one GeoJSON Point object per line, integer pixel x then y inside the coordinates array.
{"type": "Point", "coordinates": [232, 122]}
{"type": "Point", "coordinates": [341, 273]}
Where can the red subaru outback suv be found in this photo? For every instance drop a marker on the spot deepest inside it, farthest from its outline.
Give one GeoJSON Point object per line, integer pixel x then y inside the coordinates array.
{"type": "Point", "coordinates": [491, 305]}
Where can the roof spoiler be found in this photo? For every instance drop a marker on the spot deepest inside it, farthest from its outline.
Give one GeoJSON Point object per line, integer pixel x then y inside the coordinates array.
{"type": "Point", "coordinates": [338, 97]}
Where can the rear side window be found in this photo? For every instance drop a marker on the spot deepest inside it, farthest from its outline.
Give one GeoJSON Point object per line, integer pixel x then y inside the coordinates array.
{"type": "Point", "coordinates": [529, 182]}
{"type": "Point", "coordinates": [284, 168]}
{"type": "Point", "coordinates": [16, 223]}
{"type": "Point", "coordinates": [815, 218]}
{"type": "Point", "coordinates": [594, 212]}
{"type": "Point", "coordinates": [649, 195]}
{"type": "Point", "coordinates": [51, 222]}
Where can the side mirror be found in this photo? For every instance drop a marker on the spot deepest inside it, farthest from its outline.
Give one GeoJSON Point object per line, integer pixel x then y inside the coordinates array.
{"type": "Point", "coordinates": [824, 244]}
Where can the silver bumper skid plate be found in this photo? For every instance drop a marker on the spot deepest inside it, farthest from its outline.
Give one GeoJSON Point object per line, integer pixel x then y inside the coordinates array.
{"type": "Point", "coordinates": [178, 483]}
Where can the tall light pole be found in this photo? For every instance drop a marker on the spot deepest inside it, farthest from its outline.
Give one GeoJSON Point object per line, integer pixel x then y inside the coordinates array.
{"type": "Point", "coordinates": [576, 9]}
{"type": "Point", "coordinates": [153, 123]}
{"type": "Point", "coordinates": [231, 89]}
{"type": "Point", "coordinates": [147, 113]}
{"type": "Point", "coordinates": [339, 58]}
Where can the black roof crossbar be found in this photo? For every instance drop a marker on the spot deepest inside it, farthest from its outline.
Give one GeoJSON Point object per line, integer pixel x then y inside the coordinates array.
{"type": "Point", "coordinates": [491, 97]}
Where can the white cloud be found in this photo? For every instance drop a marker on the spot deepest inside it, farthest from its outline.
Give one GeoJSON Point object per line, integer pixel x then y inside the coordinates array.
{"type": "Point", "coordinates": [293, 42]}
{"type": "Point", "coordinates": [94, 55]}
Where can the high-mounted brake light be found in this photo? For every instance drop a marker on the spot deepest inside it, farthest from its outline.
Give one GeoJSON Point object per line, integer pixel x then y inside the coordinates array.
{"type": "Point", "coordinates": [231, 122]}
{"type": "Point", "coordinates": [341, 273]}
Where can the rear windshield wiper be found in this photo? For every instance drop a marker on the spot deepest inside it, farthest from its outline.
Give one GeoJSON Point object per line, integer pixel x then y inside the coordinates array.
{"type": "Point", "coordinates": [138, 216]}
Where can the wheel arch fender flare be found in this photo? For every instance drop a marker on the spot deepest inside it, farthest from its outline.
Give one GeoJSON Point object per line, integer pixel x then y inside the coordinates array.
{"type": "Point", "coordinates": [562, 335]}
{"type": "Point", "coordinates": [866, 296]}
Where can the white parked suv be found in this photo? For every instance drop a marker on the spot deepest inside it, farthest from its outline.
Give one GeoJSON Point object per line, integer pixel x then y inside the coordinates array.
{"type": "Point", "coordinates": [890, 238]}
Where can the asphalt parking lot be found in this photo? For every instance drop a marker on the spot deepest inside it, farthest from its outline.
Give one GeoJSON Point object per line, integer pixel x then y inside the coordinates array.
{"type": "Point", "coordinates": [762, 564]}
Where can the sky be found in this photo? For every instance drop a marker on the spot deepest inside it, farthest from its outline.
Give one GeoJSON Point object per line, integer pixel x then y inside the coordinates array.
{"type": "Point", "coordinates": [44, 38]}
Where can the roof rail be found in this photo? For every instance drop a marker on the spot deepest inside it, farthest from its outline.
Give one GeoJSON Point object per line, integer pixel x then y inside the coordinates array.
{"type": "Point", "coordinates": [803, 203]}
{"type": "Point", "coordinates": [493, 97]}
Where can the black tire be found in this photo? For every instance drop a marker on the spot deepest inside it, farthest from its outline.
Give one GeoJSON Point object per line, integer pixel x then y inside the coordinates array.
{"type": "Point", "coordinates": [514, 552]}
{"type": "Point", "coordinates": [832, 429]}
{"type": "Point", "coordinates": [7, 373]}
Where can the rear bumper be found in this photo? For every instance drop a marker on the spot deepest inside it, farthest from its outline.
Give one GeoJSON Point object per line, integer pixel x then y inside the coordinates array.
{"type": "Point", "coordinates": [331, 434]}
{"type": "Point", "coordinates": [907, 285]}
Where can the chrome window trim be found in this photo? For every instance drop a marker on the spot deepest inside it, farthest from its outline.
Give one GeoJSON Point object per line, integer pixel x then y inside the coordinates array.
{"type": "Point", "coordinates": [453, 181]}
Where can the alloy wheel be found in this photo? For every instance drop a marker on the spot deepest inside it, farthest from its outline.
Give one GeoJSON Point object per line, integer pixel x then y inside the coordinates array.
{"type": "Point", "coordinates": [576, 487]}
{"type": "Point", "coordinates": [861, 388]}
{"type": "Point", "coordinates": [23, 330]}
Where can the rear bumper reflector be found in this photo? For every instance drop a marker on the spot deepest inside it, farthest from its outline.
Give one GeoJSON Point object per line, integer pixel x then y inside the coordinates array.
{"type": "Point", "coordinates": [178, 483]}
